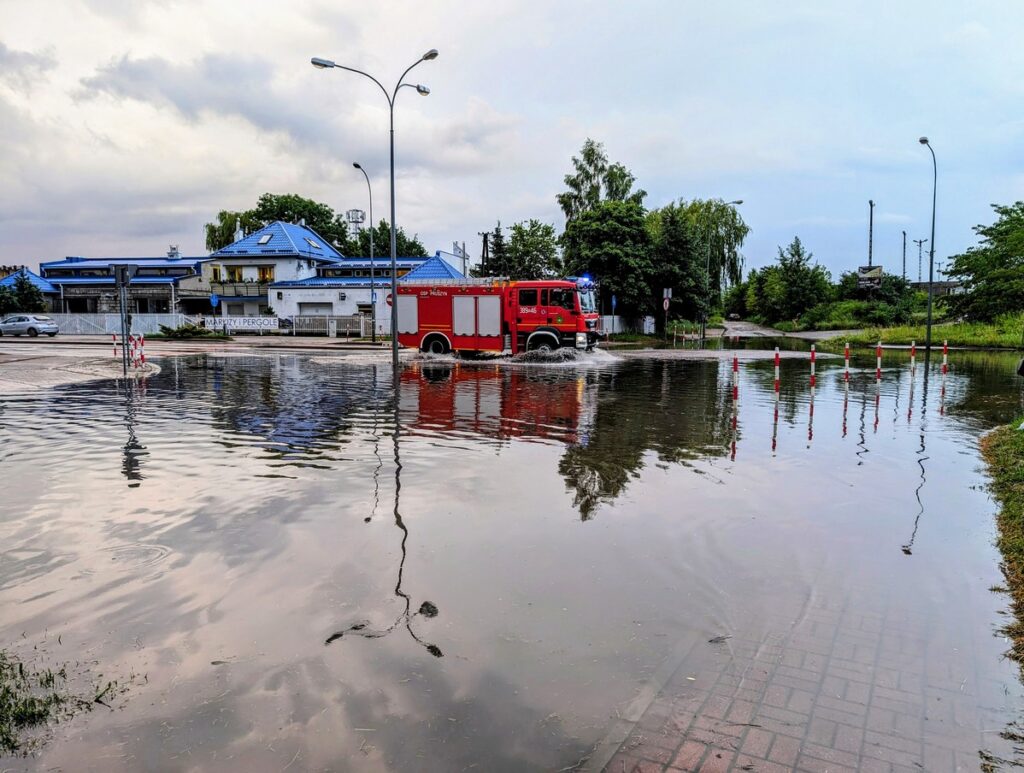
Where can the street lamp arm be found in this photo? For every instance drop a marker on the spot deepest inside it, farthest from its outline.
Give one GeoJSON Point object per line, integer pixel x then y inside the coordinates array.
{"type": "Point", "coordinates": [400, 80]}
{"type": "Point", "coordinates": [379, 84]}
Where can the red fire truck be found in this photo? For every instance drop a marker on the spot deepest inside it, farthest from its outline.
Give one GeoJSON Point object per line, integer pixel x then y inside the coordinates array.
{"type": "Point", "coordinates": [486, 315]}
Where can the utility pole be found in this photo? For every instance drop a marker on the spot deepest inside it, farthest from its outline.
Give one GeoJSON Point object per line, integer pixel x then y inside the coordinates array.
{"type": "Point", "coordinates": [485, 254]}
{"type": "Point", "coordinates": [871, 227]}
{"type": "Point", "coordinates": [904, 256]}
{"type": "Point", "coordinates": [919, 242]}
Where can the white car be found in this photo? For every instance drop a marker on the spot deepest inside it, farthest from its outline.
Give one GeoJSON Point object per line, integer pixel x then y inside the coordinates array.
{"type": "Point", "coordinates": [28, 324]}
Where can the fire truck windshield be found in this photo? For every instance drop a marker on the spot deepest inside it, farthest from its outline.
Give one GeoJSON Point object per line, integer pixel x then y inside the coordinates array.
{"type": "Point", "coordinates": [587, 304]}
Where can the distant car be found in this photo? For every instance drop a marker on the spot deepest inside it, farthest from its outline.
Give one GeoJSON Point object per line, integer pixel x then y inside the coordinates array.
{"type": "Point", "coordinates": [28, 324]}
{"type": "Point", "coordinates": [734, 315]}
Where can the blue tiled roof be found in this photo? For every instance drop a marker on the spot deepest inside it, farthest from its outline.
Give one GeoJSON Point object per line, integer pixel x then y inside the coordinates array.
{"type": "Point", "coordinates": [109, 280]}
{"type": "Point", "coordinates": [432, 268]}
{"type": "Point", "coordinates": [285, 239]}
{"type": "Point", "coordinates": [333, 281]}
{"type": "Point", "coordinates": [36, 280]}
{"type": "Point", "coordinates": [162, 262]}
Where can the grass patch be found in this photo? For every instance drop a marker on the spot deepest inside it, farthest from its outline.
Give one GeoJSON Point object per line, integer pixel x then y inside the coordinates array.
{"type": "Point", "coordinates": [31, 698]}
{"type": "Point", "coordinates": [189, 332]}
{"type": "Point", "coordinates": [1004, 333]}
{"type": "Point", "coordinates": [1003, 450]}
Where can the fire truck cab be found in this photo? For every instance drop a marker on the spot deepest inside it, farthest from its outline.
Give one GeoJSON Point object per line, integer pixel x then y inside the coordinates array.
{"type": "Point", "coordinates": [486, 315]}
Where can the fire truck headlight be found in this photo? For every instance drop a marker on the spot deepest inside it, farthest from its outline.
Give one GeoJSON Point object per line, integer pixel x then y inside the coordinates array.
{"type": "Point", "coordinates": [581, 340]}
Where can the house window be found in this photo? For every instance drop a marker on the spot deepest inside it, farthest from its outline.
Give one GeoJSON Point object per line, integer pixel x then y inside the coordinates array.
{"type": "Point", "coordinates": [265, 238]}
{"type": "Point", "coordinates": [215, 272]}
{"type": "Point", "coordinates": [266, 273]}
{"type": "Point", "coordinates": [234, 273]}
{"type": "Point", "coordinates": [313, 244]}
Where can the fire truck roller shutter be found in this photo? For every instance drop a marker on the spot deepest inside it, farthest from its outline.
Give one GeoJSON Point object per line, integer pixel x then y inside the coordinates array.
{"type": "Point", "coordinates": [489, 315]}
{"type": "Point", "coordinates": [408, 314]}
{"type": "Point", "coordinates": [464, 315]}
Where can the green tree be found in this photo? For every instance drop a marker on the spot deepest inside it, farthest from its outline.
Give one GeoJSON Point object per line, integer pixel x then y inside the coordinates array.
{"type": "Point", "coordinates": [405, 247]}
{"type": "Point", "coordinates": [7, 302]}
{"type": "Point", "coordinates": [611, 243]}
{"type": "Point", "coordinates": [287, 207]}
{"type": "Point", "coordinates": [532, 251]}
{"type": "Point", "coordinates": [677, 262]}
{"type": "Point", "coordinates": [721, 231]}
{"type": "Point", "coordinates": [992, 272]}
{"type": "Point", "coordinates": [594, 180]}
{"type": "Point", "coordinates": [22, 296]}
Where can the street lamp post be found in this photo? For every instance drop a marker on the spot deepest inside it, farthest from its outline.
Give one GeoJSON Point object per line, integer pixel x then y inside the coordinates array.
{"type": "Point", "coordinates": [931, 249]}
{"type": "Point", "coordinates": [422, 90]}
{"type": "Point", "coordinates": [707, 271]}
{"type": "Point", "coordinates": [904, 256]}
{"type": "Point", "coordinates": [373, 285]}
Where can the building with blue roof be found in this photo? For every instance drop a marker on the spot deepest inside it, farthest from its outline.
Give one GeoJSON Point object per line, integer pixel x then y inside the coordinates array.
{"type": "Point", "coordinates": [234, 281]}
{"type": "Point", "coordinates": [343, 288]}
{"type": "Point", "coordinates": [87, 286]}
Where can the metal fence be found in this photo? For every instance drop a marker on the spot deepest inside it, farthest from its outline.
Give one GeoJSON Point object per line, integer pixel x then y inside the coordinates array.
{"type": "Point", "coordinates": [107, 324]}
{"type": "Point", "coordinates": [351, 326]}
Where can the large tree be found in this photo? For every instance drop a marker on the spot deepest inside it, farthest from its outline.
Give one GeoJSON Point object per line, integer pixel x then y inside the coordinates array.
{"type": "Point", "coordinates": [611, 243]}
{"type": "Point", "coordinates": [992, 272]}
{"type": "Point", "coordinates": [678, 262]}
{"type": "Point", "coordinates": [406, 247]}
{"type": "Point", "coordinates": [721, 232]}
{"type": "Point", "coordinates": [287, 207]}
{"type": "Point", "coordinates": [532, 251]}
{"type": "Point", "coordinates": [594, 180]}
{"type": "Point", "coordinates": [790, 288]}
{"type": "Point", "coordinates": [22, 296]}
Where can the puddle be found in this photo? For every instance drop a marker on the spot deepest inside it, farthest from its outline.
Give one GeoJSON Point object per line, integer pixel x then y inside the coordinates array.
{"type": "Point", "coordinates": [511, 553]}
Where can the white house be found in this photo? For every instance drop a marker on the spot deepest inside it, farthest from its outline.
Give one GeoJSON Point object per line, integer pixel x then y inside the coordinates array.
{"type": "Point", "coordinates": [234, 281]}
{"type": "Point", "coordinates": [343, 288]}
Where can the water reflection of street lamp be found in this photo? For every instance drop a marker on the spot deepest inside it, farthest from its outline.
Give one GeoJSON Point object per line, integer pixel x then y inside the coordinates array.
{"type": "Point", "coordinates": [323, 64]}
{"type": "Point", "coordinates": [931, 250]}
{"type": "Point", "coordinates": [707, 270]}
{"type": "Point", "coordinates": [373, 286]}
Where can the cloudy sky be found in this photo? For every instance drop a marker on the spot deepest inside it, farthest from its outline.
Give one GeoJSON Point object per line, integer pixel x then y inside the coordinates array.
{"type": "Point", "coordinates": [128, 124]}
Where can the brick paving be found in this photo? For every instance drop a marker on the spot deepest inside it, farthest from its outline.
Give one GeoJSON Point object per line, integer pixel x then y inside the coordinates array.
{"type": "Point", "coordinates": [842, 689]}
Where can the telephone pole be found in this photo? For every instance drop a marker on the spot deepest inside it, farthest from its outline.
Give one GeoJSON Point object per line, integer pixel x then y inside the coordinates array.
{"type": "Point", "coordinates": [904, 256]}
{"type": "Point", "coordinates": [919, 242]}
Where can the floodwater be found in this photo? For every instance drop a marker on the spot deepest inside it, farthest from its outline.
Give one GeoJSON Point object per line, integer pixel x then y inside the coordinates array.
{"type": "Point", "coordinates": [293, 571]}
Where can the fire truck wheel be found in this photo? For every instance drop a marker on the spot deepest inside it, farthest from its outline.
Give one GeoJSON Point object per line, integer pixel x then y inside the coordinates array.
{"type": "Point", "coordinates": [543, 343]}
{"type": "Point", "coordinates": [435, 345]}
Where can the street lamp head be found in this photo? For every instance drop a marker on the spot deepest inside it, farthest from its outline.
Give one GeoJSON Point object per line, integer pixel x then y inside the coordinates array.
{"type": "Point", "coordinates": [735, 203]}
{"type": "Point", "coordinates": [871, 202]}
{"type": "Point", "coordinates": [431, 54]}
{"type": "Point", "coordinates": [356, 165]}
{"type": "Point", "coordinates": [422, 90]}
{"type": "Point", "coordinates": [923, 140]}
{"type": "Point", "coordinates": [321, 64]}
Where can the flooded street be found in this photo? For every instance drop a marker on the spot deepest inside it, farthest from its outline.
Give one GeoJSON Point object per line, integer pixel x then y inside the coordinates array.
{"type": "Point", "coordinates": [515, 567]}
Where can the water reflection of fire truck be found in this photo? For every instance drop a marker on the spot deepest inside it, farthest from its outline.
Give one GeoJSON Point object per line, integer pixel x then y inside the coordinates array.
{"type": "Point", "coordinates": [485, 315]}
{"type": "Point", "coordinates": [500, 402]}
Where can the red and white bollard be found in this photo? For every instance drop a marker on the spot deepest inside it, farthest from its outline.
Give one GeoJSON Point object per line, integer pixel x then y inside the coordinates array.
{"type": "Point", "coordinates": [846, 362]}
{"type": "Point", "coordinates": [813, 356]}
{"type": "Point", "coordinates": [113, 337]}
{"type": "Point", "coordinates": [945, 357]}
{"type": "Point", "coordinates": [913, 356]}
{"type": "Point", "coordinates": [878, 362]}
{"type": "Point", "coordinates": [142, 350]}
{"type": "Point", "coordinates": [777, 382]}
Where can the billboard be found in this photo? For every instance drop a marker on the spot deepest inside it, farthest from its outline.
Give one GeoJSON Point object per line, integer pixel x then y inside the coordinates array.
{"type": "Point", "coordinates": [869, 277]}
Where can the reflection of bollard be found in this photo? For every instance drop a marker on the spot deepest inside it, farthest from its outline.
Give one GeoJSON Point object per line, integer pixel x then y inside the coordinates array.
{"type": "Point", "coordinates": [735, 402]}
{"type": "Point", "coordinates": [846, 362]}
{"type": "Point", "coordinates": [810, 420]}
{"type": "Point", "coordinates": [775, 423]}
{"type": "Point", "coordinates": [878, 362]}
{"type": "Point", "coordinates": [846, 404]}
{"type": "Point", "coordinates": [776, 370]}
{"type": "Point", "coordinates": [813, 353]}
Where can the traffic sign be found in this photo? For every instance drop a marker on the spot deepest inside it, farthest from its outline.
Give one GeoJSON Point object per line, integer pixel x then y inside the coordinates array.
{"type": "Point", "coordinates": [614, 302]}
{"type": "Point", "coordinates": [665, 303]}
{"type": "Point", "coordinates": [388, 299]}
{"type": "Point", "coordinates": [214, 299]}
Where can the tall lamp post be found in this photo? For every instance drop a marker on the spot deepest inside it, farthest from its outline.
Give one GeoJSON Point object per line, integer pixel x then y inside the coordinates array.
{"type": "Point", "coordinates": [324, 64]}
{"type": "Point", "coordinates": [931, 249]}
{"type": "Point", "coordinates": [871, 227]}
{"type": "Point", "coordinates": [707, 271]}
{"type": "Point", "coordinates": [373, 286]}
